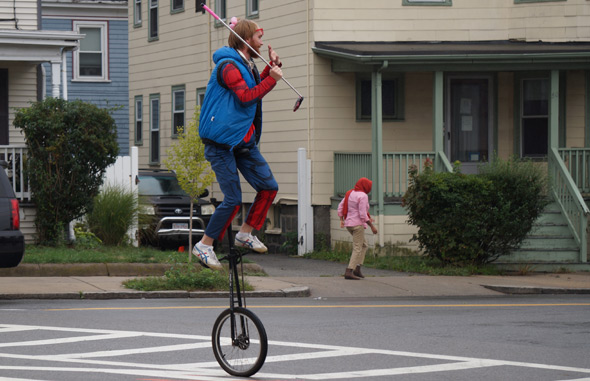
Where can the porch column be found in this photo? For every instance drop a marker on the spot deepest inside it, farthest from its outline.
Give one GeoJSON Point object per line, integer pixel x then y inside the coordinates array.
{"type": "Point", "coordinates": [438, 115]}
{"type": "Point", "coordinates": [554, 110]}
{"type": "Point", "coordinates": [55, 78]}
{"type": "Point", "coordinates": [377, 147]}
{"type": "Point", "coordinates": [587, 108]}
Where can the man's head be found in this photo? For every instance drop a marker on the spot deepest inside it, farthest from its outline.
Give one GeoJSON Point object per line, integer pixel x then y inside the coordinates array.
{"type": "Point", "coordinates": [250, 32]}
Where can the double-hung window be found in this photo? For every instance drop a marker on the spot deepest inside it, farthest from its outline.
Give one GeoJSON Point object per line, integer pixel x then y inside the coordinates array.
{"type": "Point", "coordinates": [176, 6]}
{"type": "Point", "coordinates": [153, 20]}
{"type": "Point", "coordinates": [178, 109]}
{"type": "Point", "coordinates": [392, 93]}
{"type": "Point", "coordinates": [534, 116]}
{"type": "Point", "coordinates": [154, 128]}
{"type": "Point", "coordinates": [252, 8]}
{"type": "Point", "coordinates": [138, 120]}
{"type": "Point", "coordinates": [137, 13]}
{"type": "Point", "coordinates": [220, 10]}
{"type": "Point", "coordinates": [201, 95]}
{"type": "Point", "coordinates": [427, 2]}
{"type": "Point", "coordinates": [91, 59]}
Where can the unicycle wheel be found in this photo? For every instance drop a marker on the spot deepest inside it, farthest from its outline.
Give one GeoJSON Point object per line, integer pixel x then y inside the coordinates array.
{"type": "Point", "coordinates": [243, 355]}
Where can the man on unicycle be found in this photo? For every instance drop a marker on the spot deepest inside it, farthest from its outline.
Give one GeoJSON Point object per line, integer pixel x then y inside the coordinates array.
{"type": "Point", "coordinates": [230, 126]}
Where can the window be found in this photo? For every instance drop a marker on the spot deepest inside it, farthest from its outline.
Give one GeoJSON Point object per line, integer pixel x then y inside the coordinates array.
{"type": "Point", "coordinates": [153, 33]}
{"type": "Point", "coordinates": [177, 109]}
{"type": "Point", "coordinates": [251, 8]}
{"type": "Point", "coordinates": [534, 1]}
{"type": "Point", "coordinates": [138, 120]}
{"type": "Point", "coordinates": [427, 2]}
{"type": "Point", "coordinates": [137, 13]}
{"type": "Point", "coordinates": [200, 96]}
{"type": "Point", "coordinates": [392, 90]}
{"type": "Point", "coordinates": [176, 6]}
{"type": "Point", "coordinates": [535, 117]}
{"type": "Point", "coordinates": [220, 10]}
{"type": "Point", "coordinates": [154, 128]}
{"type": "Point", "coordinates": [90, 60]}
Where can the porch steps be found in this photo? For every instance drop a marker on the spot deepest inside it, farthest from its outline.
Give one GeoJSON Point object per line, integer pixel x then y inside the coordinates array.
{"type": "Point", "coordinates": [549, 242]}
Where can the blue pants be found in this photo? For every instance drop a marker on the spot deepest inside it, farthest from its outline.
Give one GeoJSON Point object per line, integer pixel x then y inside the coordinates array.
{"type": "Point", "coordinates": [257, 173]}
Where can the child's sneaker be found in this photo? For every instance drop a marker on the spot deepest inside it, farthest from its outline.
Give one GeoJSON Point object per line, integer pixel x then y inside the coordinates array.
{"type": "Point", "coordinates": [207, 256]}
{"type": "Point", "coordinates": [250, 242]}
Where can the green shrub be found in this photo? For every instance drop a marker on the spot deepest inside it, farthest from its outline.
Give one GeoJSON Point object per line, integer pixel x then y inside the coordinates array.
{"type": "Point", "coordinates": [70, 144]}
{"type": "Point", "coordinates": [113, 212]}
{"type": "Point", "coordinates": [86, 239]}
{"type": "Point", "coordinates": [474, 219]}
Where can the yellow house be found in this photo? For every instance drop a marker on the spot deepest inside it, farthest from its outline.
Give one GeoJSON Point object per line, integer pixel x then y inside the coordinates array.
{"type": "Point", "coordinates": [454, 79]}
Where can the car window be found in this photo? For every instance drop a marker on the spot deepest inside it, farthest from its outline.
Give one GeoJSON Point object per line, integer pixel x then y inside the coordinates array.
{"type": "Point", "coordinates": [160, 186]}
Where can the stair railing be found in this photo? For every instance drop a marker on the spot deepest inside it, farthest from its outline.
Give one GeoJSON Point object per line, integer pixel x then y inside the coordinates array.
{"type": "Point", "coordinates": [570, 200]}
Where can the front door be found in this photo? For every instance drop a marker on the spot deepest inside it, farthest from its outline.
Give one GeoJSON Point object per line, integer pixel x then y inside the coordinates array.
{"type": "Point", "coordinates": [468, 124]}
{"type": "Point", "coordinates": [3, 107]}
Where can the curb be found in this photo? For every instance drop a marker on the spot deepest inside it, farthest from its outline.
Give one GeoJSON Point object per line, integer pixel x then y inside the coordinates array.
{"type": "Point", "coordinates": [291, 292]}
{"type": "Point", "coordinates": [97, 269]}
{"type": "Point", "coordinates": [528, 290]}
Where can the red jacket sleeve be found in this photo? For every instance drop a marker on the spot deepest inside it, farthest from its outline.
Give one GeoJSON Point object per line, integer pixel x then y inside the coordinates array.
{"type": "Point", "coordinates": [234, 81]}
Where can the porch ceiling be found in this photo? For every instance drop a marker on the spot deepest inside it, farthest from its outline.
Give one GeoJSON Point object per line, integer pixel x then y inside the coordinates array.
{"type": "Point", "coordinates": [36, 46]}
{"type": "Point", "coordinates": [348, 56]}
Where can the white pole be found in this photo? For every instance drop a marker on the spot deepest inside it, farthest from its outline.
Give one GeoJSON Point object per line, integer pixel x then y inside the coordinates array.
{"type": "Point", "coordinates": [64, 77]}
{"type": "Point", "coordinates": [304, 209]}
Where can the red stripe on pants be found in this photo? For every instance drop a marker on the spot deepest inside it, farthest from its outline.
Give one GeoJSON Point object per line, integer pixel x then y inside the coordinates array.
{"type": "Point", "coordinates": [259, 209]}
{"type": "Point", "coordinates": [233, 214]}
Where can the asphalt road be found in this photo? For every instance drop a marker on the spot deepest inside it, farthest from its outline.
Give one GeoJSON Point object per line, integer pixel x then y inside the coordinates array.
{"type": "Point", "coordinates": [494, 338]}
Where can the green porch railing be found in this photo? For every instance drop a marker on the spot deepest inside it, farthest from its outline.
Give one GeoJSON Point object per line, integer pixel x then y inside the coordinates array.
{"type": "Point", "coordinates": [570, 200]}
{"type": "Point", "coordinates": [577, 161]}
{"type": "Point", "coordinates": [350, 166]}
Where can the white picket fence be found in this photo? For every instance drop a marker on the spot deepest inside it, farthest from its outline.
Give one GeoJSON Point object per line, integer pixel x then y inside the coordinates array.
{"type": "Point", "coordinates": [123, 173]}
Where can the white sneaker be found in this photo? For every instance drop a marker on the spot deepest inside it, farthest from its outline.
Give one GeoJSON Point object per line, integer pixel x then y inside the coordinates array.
{"type": "Point", "coordinates": [207, 256]}
{"type": "Point", "coordinates": [250, 242]}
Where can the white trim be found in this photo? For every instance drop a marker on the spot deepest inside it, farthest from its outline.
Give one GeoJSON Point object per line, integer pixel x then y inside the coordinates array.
{"type": "Point", "coordinates": [104, 44]}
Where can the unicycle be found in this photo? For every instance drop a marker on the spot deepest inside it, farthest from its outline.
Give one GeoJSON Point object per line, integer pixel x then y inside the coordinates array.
{"type": "Point", "coordinates": [238, 338]}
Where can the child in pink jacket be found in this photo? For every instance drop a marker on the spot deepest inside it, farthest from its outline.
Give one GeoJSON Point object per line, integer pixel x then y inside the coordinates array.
{"type": "Point", "coordinates": [353, 211]}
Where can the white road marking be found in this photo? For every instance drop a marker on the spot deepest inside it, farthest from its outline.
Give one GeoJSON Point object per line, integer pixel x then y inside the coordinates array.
{"type": "Point", "coordinates": [210, 371]}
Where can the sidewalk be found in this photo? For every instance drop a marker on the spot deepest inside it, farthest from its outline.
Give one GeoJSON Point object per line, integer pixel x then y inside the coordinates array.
{"type": "Point", "coordinates": [287, 277]}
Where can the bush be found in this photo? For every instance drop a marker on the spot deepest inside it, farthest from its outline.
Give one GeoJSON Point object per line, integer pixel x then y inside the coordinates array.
{"type": "Point", "coordinates": [113, 212]}
{"type": "Point", "coordinates": [186, 276]}
{"type": "Point", "coordinates": [474, 219]}
{"type": "Point", "coordinates": [70, 144]}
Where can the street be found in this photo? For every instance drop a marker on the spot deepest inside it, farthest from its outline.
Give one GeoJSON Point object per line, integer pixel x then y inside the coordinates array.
{"type": "Point", "coordinates": [492, 338]}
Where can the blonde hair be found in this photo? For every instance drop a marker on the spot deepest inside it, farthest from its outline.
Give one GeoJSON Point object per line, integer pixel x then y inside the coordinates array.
{"type": "Point", "coordinates": [245, 29]}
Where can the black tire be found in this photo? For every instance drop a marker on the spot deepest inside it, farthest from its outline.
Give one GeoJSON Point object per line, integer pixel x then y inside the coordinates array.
{"type": "Point", "coordinates": [247, 357]}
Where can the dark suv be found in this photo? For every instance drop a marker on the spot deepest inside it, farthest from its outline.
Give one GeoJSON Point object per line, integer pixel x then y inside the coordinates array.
{"type": "Point", "coordinates": [165, 210]}
{"type": "Point", "coordinates": [12, 241]}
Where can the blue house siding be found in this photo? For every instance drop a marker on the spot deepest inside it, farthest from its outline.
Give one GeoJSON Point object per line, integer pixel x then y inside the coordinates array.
{"type": "Point", "coordinates": [113, 94]}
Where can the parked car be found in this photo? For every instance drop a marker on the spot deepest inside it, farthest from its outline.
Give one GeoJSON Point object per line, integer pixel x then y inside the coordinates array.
{"type": "Point", "coordinates": [165, 210]}
{"type": "Point", "coordinates": [12, 241]}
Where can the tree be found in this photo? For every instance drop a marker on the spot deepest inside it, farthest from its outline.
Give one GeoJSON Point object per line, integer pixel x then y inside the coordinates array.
{"type": "Point", "coordinates": [70, 144]}
{"type": "Point", "coordinates": [187, 159]}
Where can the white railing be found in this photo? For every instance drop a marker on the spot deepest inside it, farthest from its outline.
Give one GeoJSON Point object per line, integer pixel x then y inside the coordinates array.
{"type": "Point", "coordinates": [570, 200]}
{"type": "Point", "coordinates": [15, 156]}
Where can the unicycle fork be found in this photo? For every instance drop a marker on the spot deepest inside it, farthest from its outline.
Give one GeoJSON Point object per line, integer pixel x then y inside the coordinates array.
{"type": "Point", "coordinates": [238, 338]}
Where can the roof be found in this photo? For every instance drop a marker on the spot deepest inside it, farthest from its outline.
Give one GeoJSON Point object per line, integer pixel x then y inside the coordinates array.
{"type": "Point", "coordinates": [425, 53]}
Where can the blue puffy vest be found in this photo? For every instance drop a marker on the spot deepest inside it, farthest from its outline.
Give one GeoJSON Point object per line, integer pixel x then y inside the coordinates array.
{"type": "Point", "coordinates": [224, 119]}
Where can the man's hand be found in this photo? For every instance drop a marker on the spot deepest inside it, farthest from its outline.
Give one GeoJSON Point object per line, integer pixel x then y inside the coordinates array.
{"type": "Point", "coordinates": [276, 73]}
{"type": "Point", "coordinates": [374, 229]}
{"type": "Point", "coordinates": [274, 57]}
